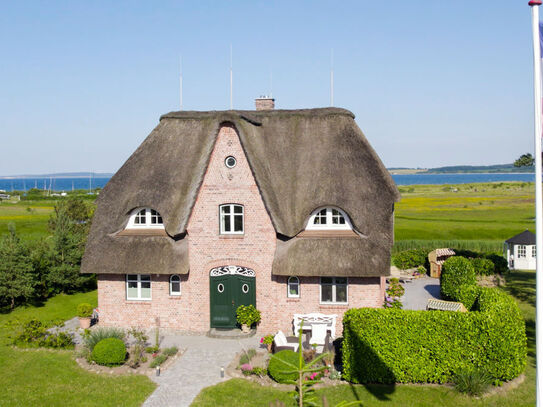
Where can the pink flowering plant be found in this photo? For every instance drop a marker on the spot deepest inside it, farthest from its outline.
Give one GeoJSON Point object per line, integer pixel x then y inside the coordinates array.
{"type": "Point", "coordinates": [267, 340]}
{"type": "Point", "coordinates": [246, 369]}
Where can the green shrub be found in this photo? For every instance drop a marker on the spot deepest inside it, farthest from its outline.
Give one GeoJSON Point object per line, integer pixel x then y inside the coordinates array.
{"type": "Point", "coordinates": [472, 382]}
{"type": "Point", "coordinates": [160, 359]}
{"type": "Point", "coordinates": [277, 367]}
{"type": "Point", "coordinates": [34, 333]}
{"type": "Point", "coordinates": [456, 272]}
{"type": "Point", "coordinates": [500, 264]}
{"type": "Point", "coordinates": [422, 270]}
{"type": "Point", "coordinates": [109, 352]}
{"type": "Point", "coordinates": [170, 351]}
{"type": "Point", "coordinates": [467, 294]}
{"type": "Point", "coordinates": [410, 258]}
{"type": "Point", "coordinates": [482, 266]}
{"type": "Point", "coordinates": [96, 335]}
{"type": "Point", "coordinates": [387, 346]}
{"type": "Point", "coordinates": [84, 310]}
{"type": "Point", "coordinates": [152, 349]}
{"type": "Point", "coordinates": [247, 314]}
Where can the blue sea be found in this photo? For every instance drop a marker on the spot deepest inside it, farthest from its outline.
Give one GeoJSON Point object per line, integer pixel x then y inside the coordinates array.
{"type": "Point", "coordinates": [67, 184]}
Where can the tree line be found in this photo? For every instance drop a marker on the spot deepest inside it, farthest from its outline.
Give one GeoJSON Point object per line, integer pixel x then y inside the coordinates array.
{"type": "Point", "coordinates": [30, 272]}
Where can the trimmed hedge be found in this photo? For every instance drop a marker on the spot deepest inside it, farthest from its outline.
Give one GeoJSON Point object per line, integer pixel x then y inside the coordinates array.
{"type": "Point", "coordinates": [277, 367]}
{"type": "Point", "coordinates": [388, 346]}
{"type": "Point", "coordinates": [109, 352]}
{"type": "Point", "coordinates": [456, 272]}
{"type": "Point", "coordinates": [482, 267]}
{"type": "Point", "coordinates": [467, 295]}
{"type": "Point", "coordinates": [410, 258]}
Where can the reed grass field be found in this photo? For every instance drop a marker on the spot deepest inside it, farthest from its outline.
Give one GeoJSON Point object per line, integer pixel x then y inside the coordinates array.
{"type": "Point", "coordinates": [466, 216]}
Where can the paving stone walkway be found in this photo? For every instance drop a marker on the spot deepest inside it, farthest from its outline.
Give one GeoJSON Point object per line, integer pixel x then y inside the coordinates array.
{"type": "Point", "coordinates": [199, 367]}
{"type": "Point", "coordinates": [418, 291]}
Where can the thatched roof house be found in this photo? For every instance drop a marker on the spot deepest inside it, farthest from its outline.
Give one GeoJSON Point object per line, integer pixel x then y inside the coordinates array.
{"type": "Point", "coordinates": [295, 161]}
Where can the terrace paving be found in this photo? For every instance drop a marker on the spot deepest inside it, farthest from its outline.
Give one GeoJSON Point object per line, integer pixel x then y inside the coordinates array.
{"type": "Point", "coordinates": [419, 291]}
{"type": "Point", "coordinates": [199, 367]}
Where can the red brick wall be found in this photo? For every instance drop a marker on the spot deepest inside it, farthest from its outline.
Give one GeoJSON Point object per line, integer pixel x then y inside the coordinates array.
{"type": "Point", "coordinates": [208, 249]}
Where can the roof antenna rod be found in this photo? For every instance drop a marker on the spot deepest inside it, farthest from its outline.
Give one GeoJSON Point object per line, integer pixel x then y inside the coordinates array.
{"type": "Point", "coordinates": [332, 77]}
{"type": "Point", "coordinates": [231, 90]}
{"type": "Point", "coordinates": [180, 83]}
{"type": "Point", "coordinates": [271, 83]}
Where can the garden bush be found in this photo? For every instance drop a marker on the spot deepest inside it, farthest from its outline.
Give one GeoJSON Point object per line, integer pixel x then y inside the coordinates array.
{"type": "Point", "coordinates": [160, 359]}
{"type": "Point", "coordinates": [500, 264]}
{"type": "Point", "coordinates": [410, 258]}
{"type": "Point", "coordinates": [456, 272]}
{"type": "Point", "coordinates": [387, 346]}
{"type": "Point", "coordinates": [482, 266]}
{"type": "Point", "coordinates": [109, 352]}
{"type": "Point", "coordinates": [278, 367]}
{"type": "Point", "coordinates": [84, 310]}
{"type": "Point", "coordinates": [92, 337]}
{"type": "Point", "coordinates": [34, 333]}
{"type": "Point", "coordinates": [467, 294]}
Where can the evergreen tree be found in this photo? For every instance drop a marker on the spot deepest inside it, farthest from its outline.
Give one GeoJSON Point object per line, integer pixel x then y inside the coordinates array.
{"type": "Point", "coordinates": [17, 280]}
{"type": "Point", "coordinates": [69, 224]}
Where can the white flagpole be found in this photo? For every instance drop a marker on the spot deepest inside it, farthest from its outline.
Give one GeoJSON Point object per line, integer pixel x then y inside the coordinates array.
{"type": "Point", "coordinates": [180, 84]}
{"type": "Point", "coordinates": [231, 81]}
{"type": "Point", "coordinates": [538, 198]}
{"type": "Point", "coordinates": [332, 77]}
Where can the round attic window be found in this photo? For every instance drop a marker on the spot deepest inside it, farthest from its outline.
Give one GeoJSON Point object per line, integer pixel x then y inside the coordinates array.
{"type": "Point", "coordinates": [230, 161]}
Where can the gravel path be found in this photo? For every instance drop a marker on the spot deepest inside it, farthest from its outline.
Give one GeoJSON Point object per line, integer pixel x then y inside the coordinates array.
{"type": "Point", "coordinates": [418, 291]}
{"type": "Point", "coordinates": [199, 367]}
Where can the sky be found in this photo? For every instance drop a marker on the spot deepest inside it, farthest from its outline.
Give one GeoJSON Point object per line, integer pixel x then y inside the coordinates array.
{"type": "Point", "coordinates": [431, 83]}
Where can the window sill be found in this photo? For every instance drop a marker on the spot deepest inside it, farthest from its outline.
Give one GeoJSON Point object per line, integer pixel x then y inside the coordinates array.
{"type": "Point", "coordinates": [138, 301]}
{"type": "Point", "coordinates": [233, 236]}
{"type": "Point", "coordinates": [334, 304]}
{"type": "Point", "coordinates": [293, 299]}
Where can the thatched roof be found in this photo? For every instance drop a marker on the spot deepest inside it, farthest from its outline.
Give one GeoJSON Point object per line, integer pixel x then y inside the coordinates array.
{"type": "Point", "coordinates": [301, 160]}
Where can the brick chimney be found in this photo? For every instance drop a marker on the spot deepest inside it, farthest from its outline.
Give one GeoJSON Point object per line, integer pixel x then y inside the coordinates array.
{"type": "Point", "coordinates": [265, 103]}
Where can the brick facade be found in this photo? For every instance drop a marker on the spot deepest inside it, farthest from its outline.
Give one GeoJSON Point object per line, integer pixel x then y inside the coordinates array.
{"type": "Point", "coordinates": [208, 249]}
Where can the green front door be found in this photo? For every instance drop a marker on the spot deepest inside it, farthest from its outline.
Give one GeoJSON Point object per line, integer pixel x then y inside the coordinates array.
{"type": "Point", "coordinates": [230, 287]}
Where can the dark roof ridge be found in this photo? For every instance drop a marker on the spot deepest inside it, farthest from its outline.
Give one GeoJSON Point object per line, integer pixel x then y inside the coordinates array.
{"type": "Point", "coordinates": [253, 114]}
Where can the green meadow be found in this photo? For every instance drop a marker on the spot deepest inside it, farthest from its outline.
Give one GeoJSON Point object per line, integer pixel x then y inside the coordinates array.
{"type": "Point", "coordinates": [29, 217]}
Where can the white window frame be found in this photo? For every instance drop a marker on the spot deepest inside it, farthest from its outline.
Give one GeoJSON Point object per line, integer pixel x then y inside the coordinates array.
{"type": "Point", "coordinates": [149, 215]}
{"type": "Point", "coordinates": [334, 284]}
{"type": "Point", "coordinates": [232, 216]}
{"type": "Point", "coordinates": [329, 217]}
{"type": "Point", "coordinates": [297, 283]}
{"type": "Point", "coordinates": [138, 280]}
{"type": "Point", "coordinates": [172, 292]}
{"type": "Point", "coordinates": [534, 252]}
{"type": "Point", "coordinates": [521, 251]}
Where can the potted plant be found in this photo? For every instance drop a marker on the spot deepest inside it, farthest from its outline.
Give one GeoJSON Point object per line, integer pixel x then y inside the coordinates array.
{"type": "Point", "coordinates": [84, 312]}
{"type": "Point", "coordinates": [268, 341]}
{"type": "Point", "coordinates": [247, 315]}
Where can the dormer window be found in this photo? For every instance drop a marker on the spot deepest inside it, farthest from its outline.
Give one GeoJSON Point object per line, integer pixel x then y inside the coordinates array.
{"type": "Point", "coordinates": [145, 218]}
{"type": "Point", "coordinates": [329, 219]}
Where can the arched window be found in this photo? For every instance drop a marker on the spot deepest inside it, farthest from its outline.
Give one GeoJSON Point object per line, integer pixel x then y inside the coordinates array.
{"type": "Point", "coordinates": [231, 219]}
{"type": "Point", "coordinates": [293, 287]}
{"type": "Point", "coordinates": [145, 218]}
{"type": "Point", "coordinates": [175, 285]}
{"type": "Point", "coordinates": [329, 219]}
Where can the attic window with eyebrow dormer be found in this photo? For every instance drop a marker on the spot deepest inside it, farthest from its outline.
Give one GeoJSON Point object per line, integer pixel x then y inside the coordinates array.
{"type": "Point", "coordinates": [145, 218]}
{"type": "Point", "coordinates": [329, 219]}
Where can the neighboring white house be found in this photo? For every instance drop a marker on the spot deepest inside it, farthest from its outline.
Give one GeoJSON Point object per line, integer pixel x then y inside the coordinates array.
{"type": "Point", "coordinates": [521, 252]}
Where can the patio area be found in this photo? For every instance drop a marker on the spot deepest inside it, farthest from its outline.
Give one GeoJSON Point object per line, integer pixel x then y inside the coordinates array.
{"type": "Point", "coordinates": [419, 291]}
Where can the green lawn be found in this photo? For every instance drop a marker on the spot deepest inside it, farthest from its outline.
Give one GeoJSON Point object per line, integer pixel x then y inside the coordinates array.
{"type": "Point", "coordinates": [53, 378]}
{"type": "Point", "coordinates": [242, 393]}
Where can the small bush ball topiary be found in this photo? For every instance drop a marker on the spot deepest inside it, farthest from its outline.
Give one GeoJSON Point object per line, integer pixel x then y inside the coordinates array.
{"type": "Point", "coordinates": [84, 310]}
{"type": "Point", "coordinates": [277, 366]}
{"type": "Point", "coordinates": [109, 352]}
